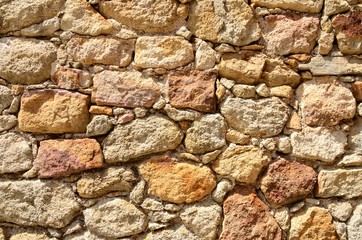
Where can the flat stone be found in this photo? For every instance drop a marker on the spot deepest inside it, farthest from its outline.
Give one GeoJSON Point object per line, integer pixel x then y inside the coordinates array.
{"type": "Point", "coordinates": [70, 78]}
{"type": "Point", "coordinates": [227, 21]}
{"type": "Point", "coordinates": [141, 137]}
{"type": "Point", "coordinates": [192, 89]}
{"type": "Point", "coordinates": [177, 232]}
{"type": "Point", "coordinates": [205, 57]}
{"type": "Point", "coordinates": [294, 122]}
{"type": "Point", "coordinates": [100, 110]}
{"type": "Point", "coordinates": [355, 137]}
{"type": "Point", "coordinates": [257, 118]}
{"type": "Point", "coordinates": [100, 125]}
{"type": "Point", "coordinates": [276, 73]}
{"type": "Point", "coordinates": [237, 137]}
{"type": "Point", "coordinates": [284, 91]}
{"type": "Point", "coordinates": [166, 179]}
{"type": "Point", "coordinates": [312, 6]}
{"type": "Point", "coordinates": [354, 225]}
{"type": "Point", "coordinates": [181, 114]}
{"type": "Point", "coordinates": [353, 160]}
{"type": "Point", "coordinates": [43, 29]}
{"type": "Point", "coordinates": [163, 52]}
{"type": "Point", "coordinates": [114, 218]}
{"type": "Point", "coordinates": [53, 111]}
{"type": "Point", "coordinates": [26, 233]}
{"type": "Point", "coordinates": [152, 204]}
{"type": "Point", "coordinates": [320, 66]}
{"type": "Point", "coordinates": [26, 60]}
{"type": "Point", "coordinates": [356, 88]}
{"type": "Point", "coordinates": [6, 97]}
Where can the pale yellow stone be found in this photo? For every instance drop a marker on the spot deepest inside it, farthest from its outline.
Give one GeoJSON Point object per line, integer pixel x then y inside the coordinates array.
{"type": "Point", "coordinates": [313, 6]}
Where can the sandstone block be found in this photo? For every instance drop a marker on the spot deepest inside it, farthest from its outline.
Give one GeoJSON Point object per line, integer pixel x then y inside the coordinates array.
{"type": "Point", "coordinates": [43, 29]}
{"type": "Point", "coordinates": [355, 137]}
{"type": "Point", "coordinates": [312, 6]}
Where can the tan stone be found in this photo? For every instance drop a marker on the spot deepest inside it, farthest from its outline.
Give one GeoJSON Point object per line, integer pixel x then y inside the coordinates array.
{"type": "Point", "coordinates": [294, 122]}
{"type": "Point", "coordinates": [276, 73]}
{"type": "Point", "coordinates": [282, 91]}
{"type": "Point", "coordinates": [355, 137]}
{"type": "Point", "coordinates": [313, 6]}
{"type": "Point", "coordinates": [177, 231]}
{"type": "Point", "coordinates": [70, 78]}
{"type": "Point", "coordinates": [354, 226]}
{"type": "Point", "coordinates": [243, 91]}
{"type": "Point", "coordinates": [325, 42]}
{"type": "Point", "coordinates": [25, 234]}
{"type": "Point", "coordinates": [237, 137]}
{"type": "Point", "coordinates": [321, 66]}
{"type": "Point", "coordinates": [205, 57]}
{"type": "Point", "coordinates": [101, 110]}
{"type": "Point", "coordinates": [356, 88]}
{"type": "Point", "coordinates": [43, 29]}
{"type": "Point", "coordinates": [332, 7]}
{"type": "Point", "coordinates": [6, 97]}
{"type": "Point", "coordinates": [7, 122]}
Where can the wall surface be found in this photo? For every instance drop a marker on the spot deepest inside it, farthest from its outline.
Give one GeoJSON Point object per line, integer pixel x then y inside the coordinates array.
{"type": "Point", "coordinates": [180, 120]}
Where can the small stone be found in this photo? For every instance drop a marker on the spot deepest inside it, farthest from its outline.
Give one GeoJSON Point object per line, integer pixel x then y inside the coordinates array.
{"type": "Point", "coordinates": [262, 90]}
{"type": "Point", "coordinates": [162, 216]}
{"type": "Point", "coordinates": [354, 225]}
{"type": "Point", "coordinates": [281, 215]}
{"type": "Point", "coordinates": [209, 157]}
{"type": "Point", "coordinates": [356, 88]}
{"type": "Point", "coordinates": [321, 66]}
{"type": "Point", "coordinates": [177, 231]}
{"type": "Point", "coordinates": [325, 43]}
{"type": "Point", "coordinates": [340, 210]}
{"type": "Point", "coordinates": [268, 144]}
{"type": "Point", "coordinates": [46, 28]}
{"type": "Point", "coordinates": [225, 48]}
{"type": "Point", "coordinates": [222, 188]}
{"type": "Point", "coordinates": [296, 206]}
{"type": "Point", "coordinates": [101, 110]}
{"type": "Point", "coordinates": [2, 236]}
{"type": "Point", "coordinates": [276, 73]}
{"type": "Point", "coordinates": [156, 226]}
{"type": "Point", "coordinates": [227, 83]}
{"type": "Point", "coordinates": [306, 75]}
{"type": "Point", "coordinates": [353, 160]}
{"type": "Point", "coordinates": [220, 90]}
{"type": "Point", "coordinates": [284, 145]}
{"type": "Point", "coordinates": [100, 125]}
{"type": "Point", "coordinates": [312, 6]}
{"type": "Point", "coordinates": [85, 235]}
{"type": "Point", "coordinates": [24, 233]}
{"type": "Point", "coordinates": [7, 122]}
{"type": "Point", "coordinates": [237, 137]}
{"type": "Point", "coordinates": [137, 194]}
{"type": "Point", "coordinates": [6, 98]}
{"type": "Point", "coordinates": [282, 91]}
{"type": "Point", "coordinates": [341, 230]}
{"type": "Point", "coordinates": [332, 7]}
{"type": "Point", "coordinates": [126, 117]}
{"type": "Point", "coordinates": [152, 205]}
{"type": "Point", "coordinates": [294, 122]}
{"type": "Point", "coordinates": [184, 32]}
{"type": "Point", "coordinates": [205, 57]}
{"type": "Point", "coordinates": [70, 78]}
{"type": "Point", "coordinates": [189, 156]}
{"type": "Point", "coordinates": [140, 112]}
{"type": "Point", "coordinates": [181, 115]}
{"type": "Point", "coordinates": [159, 104]}
{"type": "Point", "coordinates": [243, 91]}
{"type": "Point", "coordinates": [355, 137]}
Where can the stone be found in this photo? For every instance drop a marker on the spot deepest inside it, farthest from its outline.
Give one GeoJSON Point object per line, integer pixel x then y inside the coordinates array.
{"type": "Point", "coordinates": [262, 90]}
{"type": "Point", "coordinates": [325, 42]}
{"type": "Point", "coordinates": [356, 88]}
{"type": "Point", "coordinates": [163, 52]}
{"type": "Point", "coordinates": [281, 215]}
{"type": "Point", "coordinates": [282, 92]}
{"type": "Point", "coordinates": [243, 163]}
{"type": "Point", "coordinates": [237, 137]}
{"type": "Point", "coordinates": [200, 138]}
{"type": "Point", "coordinates": [277, 30]}
{"type": "Point", "coordinates": [205, 57]}
{"type": "Point", "coordinates": [340, 210]}
{"type": "Point", "coordinates": [46, 28]}
{"type": "Point", "coordinates": [23, 233]}
{"type": "Point", "coordinates": [222, 188]}
{"type": "Point", "coordinates": [284, 145]}
{"type": "Point", "coordinates": [26, 60]}
{"type": "Point", "coordinates": [101, 110]}
{"type": "Point", "coordinates": [294, 121]}
{"type": "Point", "coordinates": [340, 183]}
{"type": "Point", "coordinates": [15, 153]}
{"type": "Point", "coordinates": [332, 7]}
{"type": "Point", "coordinates": [27, 203]}
{"type": "Point", "coordinates": [181, 115]}
{"type": "Point", "coordinates": [6, 97]}
{"type": "Point", "coordinates": [184, 32]}
{"type": "Point", "coordinates": [158, 16]}
{"type": "Point", "coordinates": [7, 122]}
{"type": "Point", "coordinates": [228, 21]}
{"type": "Point", "coordinates": [285, 182]}
{"type": "Point", "coordinates": [85, 235]}
{"type": "Point", "coordinates": [137, 194]}
{"type": "Point", "coordinates": [341, 230]}
{"type": "Point", "coordinates": [276, 73]}
{"type": "Point", "coordinates": [101, 50]}
{"type": "Point", "coordinates": [166, 179]}
{"type": "Point", "coordinates": [247, 217]}
{"type": "Point", "coordinates": [70, 78]}
{"type": "Point", "coordinates": [326, 65]}
{"type": "Point", "coordinates": [53, 111]}
{"type": "Point", "coordinates": [141, 137]}
{"type": "Point", "coordinates": [2, 236]}
{"type": "Point", "coordinates": [162, 217]}
{"type": "Point", "coordinates": [330, 144]}
{"type": "Point", "coordinates": [152, 205]}
{"type": "Point", "coordinates": [114, 218]}
{"type": "Point", "coordinates": [210, 156]}
{"type": "Point", "coordinates": [312, 6]}
{"type": "Point", "coordinates": [100, 125]}
{"type": "Point", "coordinates": [353, 160]}
{"type": "Point", "coordinates": [257, 118]}
{"type": "Point", "coordinates": [176, 232]}
{"type": "Point", "coordinates": [192, 89]}
{"type": "Point", "coordinates": [354, 225]}
{"type": "Point", "coordinates": [314, 223]}
{"type": "Point", "coordinates": [355, 137]}
{"type": "Point", "coordinates": [243, 91]}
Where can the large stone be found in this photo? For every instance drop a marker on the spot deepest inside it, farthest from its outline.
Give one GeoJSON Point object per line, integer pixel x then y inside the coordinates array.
{"type": "Point", "coordinates": [325, 102]}
{"type": "Point", "coordinates": [6, 97]}
{"type": "Point", "coordinates": [312, 6]}
{"type": "Point", "coordinates": [177, 182]}
{"type": "Point", "coordinates": [33, 203]}
{"type": "Point", "coordinates": [176, 232]}
{"type": "Point", "coordinates": [114, 218]}
{"type": "Point", "coordinates": [259, 118]}
{"type": "Point", "coordinates": [247, 217]}
{"type": "Point", "coordinates": [243, 163]}
{"type": "Point", "coordinates": [101, 50]}
{"type": "Point", "coordinates": [26, 60]}
{"type": "Point", "coordinates": [163, 52]}
{"type": "Point", "coordinates": [151, 16]}
{"type": "Point", "coordinates": [320, 66]}
{"type": "Point", "coordinates": [53, 111]}
{"type": "Point", "coordinates": [354, 225]}
{"type": "Point", "coordinates": [229, 21]}
{"type": "Point", "coordinates": [355, 137]}
{"type": "Point", "coordinates": [141, 137]}
{"type": "Point", "coordinates": [286, 182]}
{"type": "Point", "coordinates": [276, 73]}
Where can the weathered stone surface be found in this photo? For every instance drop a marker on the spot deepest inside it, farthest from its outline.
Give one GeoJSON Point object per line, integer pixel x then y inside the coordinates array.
{"type": "Point", "coordinates": [325, 102]}
{"type": "Point", "coordinates": [312, 6]}
{"type": "Point", "coordinates": [201, 138]}
{"type": "Point", "coordinates": [114, 218]}
{"type": "Point", "coordinates": [223, 186]}
{"type": "Point", "coordinates": [277, 31]}
{"type": "Point", "coordinates": [101, 50]}
{"type": "Point", "coordinates": [46, 28]}
{"type": "Point", "coordinates": [100, 125]}
{"type": "Point", "coordinates": [53, 111]}
{"type": "Point", "coordinates": [276, 73]}
{"type": "Point", "coordinates": [70, 78]}
{"type": "Point", "coordinates": [158, 16]}
{"type": "Point", "coordinates": [2, 236]}
{"type": "Point", "coordinates": [27, 203]}
{"type": "Point", "coordinates": [192, 89]}
{"type": "Point", "coordinates": [101, 110]}
{"type": "Point", "coordinates": [340, 183]}
{"type": "Point", "coordinates": [181, 114]}
{"type": "Point", "coordinates": [228, 21]}
{"type": "Point", "coordinates": [354, 225]}
{"type": "Point", "coordinates": [355, 137]}
{"type": "Point", "coordinates": [6, 97]}
{"type": "Point", "coordinates": [24, 234]}
{"type": "Point", "coordinates": [332, 7]}
{"type": "Point", "coordinates": [205, 57]}
{"type": "Point", "coordinates": [86, 235]}
{"type": "Point", "coordinates": [26, 60]}
{"type": "Point", "coordinates": [285, 182]}
{"type": "Point", "coordinates": [176, 232]}
{"type": "Point", "coordinates": [177, 182]}
{"type": "Point", "coordinates": [340, 210]}
{"type": "Point", "coordinates": [247, 217]}
{"type": "Point", "coordinates": [325, 42]}
{"type": "Point", "coordinates": [163, 52]}
{"type": "Point", "coordinates": [243, 163]}
{"type": "Point", "coordinates": [261, 118]}
{"type": "Point", "coordinates": [314, 223]}
{"type": "Point", "coordinates": [243, 91]}
{"type": "Point", "coordinates": [144, 136]}
{"type": "Point", "coordinates": [320, 66]}
{"type": "Point", "coordinates": [352, 160]}
{"type": "Point", "coordinates": [237, 137]}
{"type": "Point", "coordinates": [356, 89]}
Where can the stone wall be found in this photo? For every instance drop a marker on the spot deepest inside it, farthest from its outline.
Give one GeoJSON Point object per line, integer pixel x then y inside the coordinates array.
{"type": "Point", "coordinates": [182, 120]}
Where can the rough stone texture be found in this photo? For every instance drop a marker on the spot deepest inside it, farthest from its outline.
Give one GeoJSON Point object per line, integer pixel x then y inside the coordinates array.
{"type": "Point", "coordinates": [354, 225]}
{"type": "Point", "coordinates": [276, 73]}
{"type": "Point", "coordinates": [86, 235]}
{"type": "Point", "coordinates": [327, 65]}
{"type": "Point", "coordinates": [114, 218]}
{"type": "Point", "coordinates": [192, 89]}
{"type": "Point", "coordinates": [201, 138]}
{"type": "Point", "coordinates": [176, 232]}
{"type": "Point", "coordinates": [243, 91]}
{"type": "Point", "coordinates": [340, 210]}
{"type": "Point", "coordinates": [355, 137]}
{"type": "Point", "coordinates": [259, 118]}
{"type": "Point", "coordinates": [53, 111]}
{"type": "Point", "coordinates": [144, 136]}
{"type": "Point", "coordinates": [223, 186]}
{"type": "Point", "coordinates": [163, 52]}
{"type": "Point", "coordinates": [229, 21]}
{"type": "Point", "coordinates": [6, 97]}
{"type": "Point", "coordinates": [43, 29]}
{"type": "Point", "coordinates": [352, 160]}
{"type": "Point", "coordinates": [312, 6]}
{"type": "Point", "coordinates": [243, 163]}
{"type": "Point", "coordinates": [356, 89]}
{"type": "Point", "coordinates": [27, 203]}
{"type": "Point", "coordinates": [247, 217]}
{"type": "Point", "coordinates": [24, 234]}
{"type": "Point", "coordinates": [177, 182]}
{"type": "Point", "coordinates": [26, 60]}
{"type": "Point", "coordinates": [205, 57]}
{"type": "Point", "coordinates": [332, 7]}
{"type": "Point", "coordinates": [7, 122]}
{"type": "Point", "coordinates": [70, 78]}
{"type": "Point", "coordinates": [285, 182]}
{"type": "Point", "coordinates": [100, 125]}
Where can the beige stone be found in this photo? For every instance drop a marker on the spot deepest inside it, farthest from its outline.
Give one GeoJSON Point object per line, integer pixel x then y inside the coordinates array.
{"type": "Point", "coordinates": [70, 78]}
{"type": "Point", "coordinates": [46, 28]}
{"type": "Point", "coordinates": [313, 6]}
{"type": "Point", "coordinates": [282, 91]}
{"type": "Point", "coordinates": [321, 66]}
{"type": "Point", "coordinates": [7, 122]}
{"type": "Point", "coordinates": [243, 91]}
{"type": "Point", "coordinates": [100, 125]}
{"type": "Point", "coordinates": [276, 73]}
{"type": "Point", "coordinates": [177, 231]}
{"type": "Point", "coordinates": [354, 226]}
{"type": "Point", "coordinates": [25, 234]}
{"type": "Point", "coordinates": [205, 57]}
{"type": "Point", "coordinates": [237, 137]}
{"type": "Point", "coordinates": [325, 42]}
{"type": "Point", "coordinates": [332, 7]}
{"type": "Point", "coordinates": [6, 97]}
{"type": "Point", "coordinates": [294, 122]}
{"type": "Point", "coordinates": [85, 235]}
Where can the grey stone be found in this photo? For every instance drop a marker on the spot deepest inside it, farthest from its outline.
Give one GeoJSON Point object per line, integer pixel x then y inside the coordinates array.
{"type": "Point", "coordinates": [7, 122]}
{"type": "Point", "coordinates": [320, 66]}
{"type": "Point", "coordinates": [354, 225]}
{"type": "Point", "coordinates": [6, 98]}
{"type": "Point", "coordinates": [100, 125]}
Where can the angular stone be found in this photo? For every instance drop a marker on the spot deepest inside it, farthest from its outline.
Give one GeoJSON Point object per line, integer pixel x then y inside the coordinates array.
{"type": "Point", "coordinates": [243, 163]}
{"type": "Point", "coordinates": [175, 232]}
{"type": "Point", "coordinates": [7, 122]}
{"type": "Point", "coordinates": [355, 137]}
{"type": "Point", "coordinates": [356, 89]}
{"type": "Point", "coordinates": [332, 7]}
{"type": "Point", "coordinates": [46, 28]}
{"type": "Point", "coordinates": [70, 78]}
{"type": "Point", "coordinates": [100, 125]}
{"type": "Point", "coordinates": [26, 60]}
{"type": "Point", "coordinates": [237, 137]}
{"type": "Point", "coordinates": [114, 218]}
{"type": "Point", "coordinates": [286, 182]}
{"type": "Point", "coordinates": [223, 186]}
{"type": "Point", "coordinates": [163, 52]}
{"type": "Point", "coordinates": [259, 118]}
{"type": "Point", "coordinates": [277, 31]}
{"type": "Point", "coordinates": [354, 225]}
{"type": "Point", "coordinates": [320, 66]}
{"type": "Point", "coordinates": [205, 57]}
{"type": "Point", "coordinates": [181, 115]}
{"type": "Point", "coordinates": [243, 91]}
{"type": "Point", "coordinates": [192, 89]}
{"type": "Point", "coordinates": [97, 110]}
{"type": "Point", "coordinates": [247, 217]}
{"type": "Point", "coordinates": [325, 42]}
{"type": "Point", "coordinates": [353, 160]}
{"type": "Point", "coordinates": [6, 97]}
{"type": "Point", "coordinates": [53, 111]}
{"type": "Point", "coordinates": [166, 179]}
{"type": "Point", "coordinates": [85, 235]}
{"type": "Point", "coordinates": [28, 203]}
{"type": "Point", "coordinates": [2, 236]}
{"type": "Point", "coordinates": [58, 158]}
{"type": "Point", "coordinates": [229, 21]}
{"type": "Point", "coordinates": [312, 6]}
{"type": "Point", "coordinates": [15, 153]}
{"type": "Point", "coordinates": [276, 73]}
{"type": "Point", "coordinates": [340, 210]}
{"type": "Point", "coordinates": [141, 137]}
{"type": "Point", "coordinates": [101, 50]}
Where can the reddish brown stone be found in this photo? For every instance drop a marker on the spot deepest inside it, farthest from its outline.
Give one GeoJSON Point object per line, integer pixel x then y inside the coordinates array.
{"type": "Point", "coordinates": [357, 90]}
{"type": "Point", "coordinates": [70, 78]}
{"type": "Point", "coordinates": [192, 89]}
{"type": "Point", "coordinates": [58, 158]}
{"type": "Point", "coordinates": [350, 24]}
